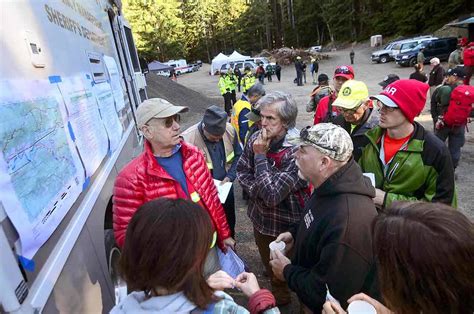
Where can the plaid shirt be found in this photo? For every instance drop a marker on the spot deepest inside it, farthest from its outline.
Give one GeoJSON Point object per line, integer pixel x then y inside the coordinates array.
{"type": "Point", "coordinates": [275, 193]}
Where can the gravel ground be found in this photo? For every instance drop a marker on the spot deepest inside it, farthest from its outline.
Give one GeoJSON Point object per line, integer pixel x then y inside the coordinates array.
{"type": "Point", "coordinates": [204, 90]}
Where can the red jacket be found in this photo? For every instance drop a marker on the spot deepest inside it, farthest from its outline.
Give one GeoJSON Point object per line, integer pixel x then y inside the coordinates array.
{"type": "Point", "coordinates": [143, 179]}
{"type": "Point", "coordinates": [322, 110]}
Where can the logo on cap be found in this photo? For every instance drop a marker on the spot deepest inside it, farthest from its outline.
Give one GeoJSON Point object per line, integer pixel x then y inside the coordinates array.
{"type": "Point", "coordinates": [391, 90]}
{"type": "Point", "coordinates": [347, 91]}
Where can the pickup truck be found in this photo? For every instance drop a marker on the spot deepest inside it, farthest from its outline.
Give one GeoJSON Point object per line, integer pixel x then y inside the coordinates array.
{"type": "Point", "coordinates": [440, 48]}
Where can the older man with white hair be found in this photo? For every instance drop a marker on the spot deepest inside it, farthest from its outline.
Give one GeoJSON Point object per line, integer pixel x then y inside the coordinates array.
{"type": "Point", "coordinates": [436, 76]}
{"type": "Point", "coordinates": [333, 242]}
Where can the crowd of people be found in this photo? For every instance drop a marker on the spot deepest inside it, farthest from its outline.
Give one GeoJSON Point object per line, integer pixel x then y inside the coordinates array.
{"type": "Point", "coordinates": [364, 200]}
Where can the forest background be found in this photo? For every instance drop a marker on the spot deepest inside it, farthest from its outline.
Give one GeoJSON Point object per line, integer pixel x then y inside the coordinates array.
{"type": "Point", "coordinates": [200, 29]}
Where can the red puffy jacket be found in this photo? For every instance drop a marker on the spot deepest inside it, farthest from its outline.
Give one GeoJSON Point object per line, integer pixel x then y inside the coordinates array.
{"type": "Point", "coordinates": [143, 179]}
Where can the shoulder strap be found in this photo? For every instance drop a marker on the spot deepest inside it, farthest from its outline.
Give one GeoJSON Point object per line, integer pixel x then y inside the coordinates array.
{"type": "Point", "coordinates": [329, 114]}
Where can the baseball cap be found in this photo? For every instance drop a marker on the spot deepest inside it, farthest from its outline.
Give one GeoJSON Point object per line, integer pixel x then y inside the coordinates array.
{"type": "Point", "coordinates": [389, 79]}
{"type": "Point", "coordinates": [323, 78]}
{"type": "Point", "coordinates": [351, 94]}
{"type": "Point", "coordinates": [457, 71]}
{"type": "Point", "coordinates": [408, 95]}
{"type": "Point", "coordinates": [298, 58]}
{"type": "Point", "coordinates": [346, 71]}
{"type": "Point", "coordinates": [215, 120]}
{"type": "Point", "coordinates": [156, 108]}
{"type": "Point", "coordinates": [330, 139]}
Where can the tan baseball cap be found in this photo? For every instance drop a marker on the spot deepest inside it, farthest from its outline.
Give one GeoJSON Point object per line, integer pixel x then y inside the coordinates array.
{"type": "Point", "coordinates": [156, 108]}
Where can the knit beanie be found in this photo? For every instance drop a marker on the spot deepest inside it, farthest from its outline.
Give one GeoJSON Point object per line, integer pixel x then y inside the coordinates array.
{"type": "Point", "coordinates": [408, 95]}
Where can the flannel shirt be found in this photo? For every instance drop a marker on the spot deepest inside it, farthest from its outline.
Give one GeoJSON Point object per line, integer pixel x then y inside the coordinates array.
{"type": "Point", "coordinates": [273, 201]}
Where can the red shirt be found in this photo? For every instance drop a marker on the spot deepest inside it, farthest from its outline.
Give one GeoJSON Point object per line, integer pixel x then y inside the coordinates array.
{"type": "Point", "coordinates": [392, 145]}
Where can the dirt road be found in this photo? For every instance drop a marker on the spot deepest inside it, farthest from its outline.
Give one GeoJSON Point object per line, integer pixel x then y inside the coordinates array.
{"type": "Point", "coordinates": [371, 74]}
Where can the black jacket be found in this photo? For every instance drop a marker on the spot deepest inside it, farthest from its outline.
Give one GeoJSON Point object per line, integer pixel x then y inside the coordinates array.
{"type": "Point", "coordinates": [436, 76]}
{"type": "Point", "coordinates": [419, 76]}
{"type": "Point", "coordinates": [334, 243]}
{"type": "Point", "coordinates": [359, 140]}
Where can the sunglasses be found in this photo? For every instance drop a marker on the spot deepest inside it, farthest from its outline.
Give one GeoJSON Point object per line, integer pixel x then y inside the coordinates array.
{"type": "Point", "coordinates": [170, 120]}
{"type": "Point", "coordinates": [343, 70]}
{"type": "Point", "coordinates": [304, 135]}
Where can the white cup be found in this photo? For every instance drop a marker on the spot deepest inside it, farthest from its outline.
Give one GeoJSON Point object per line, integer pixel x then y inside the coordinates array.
{"type": "Point", "coordinates": [361, 307]}
{"type": "Point", "coordinates": [277, 246]}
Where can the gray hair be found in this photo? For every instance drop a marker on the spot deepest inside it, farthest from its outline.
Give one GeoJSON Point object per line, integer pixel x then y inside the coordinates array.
{"type": "Point", "coordinates": [286, 107]}
{"type": "Point", "coordinates": [256, 90]}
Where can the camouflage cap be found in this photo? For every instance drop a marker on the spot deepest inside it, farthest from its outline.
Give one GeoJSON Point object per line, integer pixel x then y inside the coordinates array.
{"type": "Point", "coordinates": [331, 140]}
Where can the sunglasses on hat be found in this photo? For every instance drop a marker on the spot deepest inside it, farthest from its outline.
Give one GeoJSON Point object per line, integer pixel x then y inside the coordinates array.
{"type": "Point", "coordinates": [343, 70]}
{"type": "Point", "coordinates": [304, 135]}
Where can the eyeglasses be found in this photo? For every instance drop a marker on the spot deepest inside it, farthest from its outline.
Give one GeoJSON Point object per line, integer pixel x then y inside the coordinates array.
{"type": "Point", "coordinates": [381, 106]}
{"type": "Point", "coordinates": [343, 70]}
{"type": "Point", "coordinates": [353, 110]}
{"type": "Point", "coordinates": [304, 135]}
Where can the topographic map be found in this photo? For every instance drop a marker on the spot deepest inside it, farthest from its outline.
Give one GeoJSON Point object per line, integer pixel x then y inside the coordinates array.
{"type": "Point", "coordinates": [41, 174]}
{"type": "Point", "coordinates": [36, 151]}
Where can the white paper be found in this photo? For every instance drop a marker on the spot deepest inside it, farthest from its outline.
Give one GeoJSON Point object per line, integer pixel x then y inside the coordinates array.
{"type": "Point", "coordinates": [83, 115]}
{"type": "Point", "coordinates": [223, 190]}
{"type": "Point", "coordinates": [115, 82]}
{"type": "Point", "coordinates": [231, 262]}
{"type": "Point", "coordinates": [41, 174]}
{"type": "Point", "coordinates": [105, 100]}
{"type": "Point", "coordinates": [371, 176]}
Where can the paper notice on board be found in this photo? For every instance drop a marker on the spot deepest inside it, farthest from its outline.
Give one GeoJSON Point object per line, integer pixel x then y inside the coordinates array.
{"type": "Point", "coordinates": [105, 100]}
{"type": "Point", "coordinates": [115, 82]}
{"type": "Point", "coordinates": [222, 189]}
{"type": "Point", "coordinates": [83, 114]}
{"type": "Point", "coordinates": [41, 174]}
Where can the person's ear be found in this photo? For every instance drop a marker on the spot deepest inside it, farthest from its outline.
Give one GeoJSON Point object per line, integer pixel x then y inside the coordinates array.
{"type": "Point", "coordinates": [146, 132]}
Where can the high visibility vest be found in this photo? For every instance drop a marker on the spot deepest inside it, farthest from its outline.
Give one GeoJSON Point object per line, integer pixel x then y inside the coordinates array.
{"type": "Point", "coordinates": [234, 118]}
{"type": "Point", "coordinates": [193, 136]}
{"type": "Point", "coordinates": [222, 85]}
{"type": "Point", "coordinates": [231, 81]}
{"type": "Point", "coordinates": [248, 81]}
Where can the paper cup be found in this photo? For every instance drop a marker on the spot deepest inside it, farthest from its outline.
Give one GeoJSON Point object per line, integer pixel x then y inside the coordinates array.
{"type": "Point", "coordinates": [361, 307]}
{"type": "Point", "coordinates": [277, 246]}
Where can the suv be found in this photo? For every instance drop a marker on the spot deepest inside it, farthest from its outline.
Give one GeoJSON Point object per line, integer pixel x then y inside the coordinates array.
{"type": "Point", "coordinates": [389, 52]}
{"type": "Point", "coordinates": [440, 48]}
{"type": "Point", "coordinates": [239, 65]}
{"type": "Point", "coordinates": [385, 55]}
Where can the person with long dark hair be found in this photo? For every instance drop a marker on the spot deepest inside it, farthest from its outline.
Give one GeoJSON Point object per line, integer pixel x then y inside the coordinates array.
{"type": "Point", "coordinates": [425, 258]}
{"type": "Point", "coordinates": [163, 260]}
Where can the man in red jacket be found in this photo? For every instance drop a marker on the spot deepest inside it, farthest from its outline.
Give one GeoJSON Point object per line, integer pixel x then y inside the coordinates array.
{"type": "Point", "coordinates": [323, 112]}
{"type": "Point", "coordinates": [168, 167]}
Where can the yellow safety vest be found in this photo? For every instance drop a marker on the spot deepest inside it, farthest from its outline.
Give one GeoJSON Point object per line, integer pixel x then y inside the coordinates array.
{"type": "Point", "coordinates": [248, 81]}
{"type": "Point", "coordinates": [234, 118]}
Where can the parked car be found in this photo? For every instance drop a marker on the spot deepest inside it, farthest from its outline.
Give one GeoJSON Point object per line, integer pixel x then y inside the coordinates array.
{"type": "Point", "coordinates": [240, 65]}
{"type": "Point", "coordinates": [392, 49]}
{"type": "Point", "coordinates": [440, 48]}
{"type": "Point", "coordinates": [315, 49]}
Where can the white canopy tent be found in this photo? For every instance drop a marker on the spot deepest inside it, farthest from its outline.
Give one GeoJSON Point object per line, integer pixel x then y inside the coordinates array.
{"type": "Point", "coordinates": [217, 62]}
{"type": "Point", "coordinates": [235, 56]}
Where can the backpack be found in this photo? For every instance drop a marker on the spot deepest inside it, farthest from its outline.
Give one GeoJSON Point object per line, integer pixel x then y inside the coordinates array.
{"type": "Point", "coordinates": [460, 106]}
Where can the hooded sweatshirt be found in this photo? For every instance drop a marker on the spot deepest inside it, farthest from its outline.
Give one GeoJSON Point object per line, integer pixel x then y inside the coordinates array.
{"type": "Point", "coordinates": [333, 247]}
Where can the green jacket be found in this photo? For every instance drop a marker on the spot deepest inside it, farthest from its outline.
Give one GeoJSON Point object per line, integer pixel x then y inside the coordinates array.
{"type": "Point", "coordinates": [423, 170]}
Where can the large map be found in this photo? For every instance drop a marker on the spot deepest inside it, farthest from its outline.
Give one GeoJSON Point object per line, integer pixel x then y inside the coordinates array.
{"type": "Point", "coordinates": [40, 172]}
{"type": "Point", "coordinates": [36, 151]}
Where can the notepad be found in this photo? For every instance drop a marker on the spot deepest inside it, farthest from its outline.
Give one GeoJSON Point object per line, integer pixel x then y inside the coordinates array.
{"type": "Point", "coordinates": [223, 190]}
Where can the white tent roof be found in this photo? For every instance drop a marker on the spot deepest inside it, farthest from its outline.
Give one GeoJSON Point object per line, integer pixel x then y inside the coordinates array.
{"type": "Point", "coordinates": [218, 61]}
{"type": "Point", "coordinates": [235, 56]}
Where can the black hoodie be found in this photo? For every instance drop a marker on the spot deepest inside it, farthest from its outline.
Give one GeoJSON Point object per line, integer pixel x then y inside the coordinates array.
{"type": "Point", "coordinates": [333, 241]}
